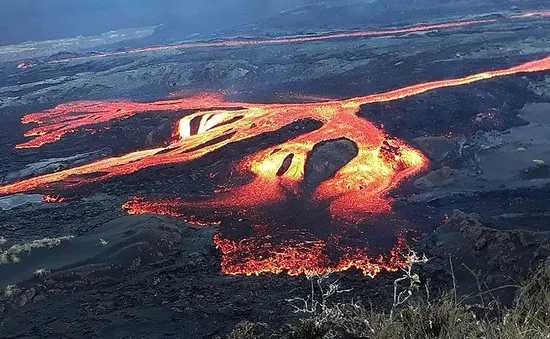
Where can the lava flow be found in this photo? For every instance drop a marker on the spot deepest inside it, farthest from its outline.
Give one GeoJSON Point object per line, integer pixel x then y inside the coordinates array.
{"type": "Point", "coordinates": [310, 38]}
{"type": "Point", "coordinates": [531, 14]}
{"type": "Point", "coordinates": [275, 174]}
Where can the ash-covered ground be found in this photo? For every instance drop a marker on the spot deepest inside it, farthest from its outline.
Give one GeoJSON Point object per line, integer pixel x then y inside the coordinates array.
{"type": "Point", "coordinates": [483, 203]}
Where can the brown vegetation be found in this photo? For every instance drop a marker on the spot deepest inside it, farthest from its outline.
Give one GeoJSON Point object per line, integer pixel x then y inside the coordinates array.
{"type": "Point", "coordinates": [447, 317]}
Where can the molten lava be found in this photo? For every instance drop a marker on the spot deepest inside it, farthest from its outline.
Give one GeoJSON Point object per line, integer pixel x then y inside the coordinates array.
{"type": "Point", "coordinates": [356, 190]}
{"type": "Point", "coordinates": [302, 254]}
{"type": "Point", "coordinates": [531, 15]}
{"type": "Point", "coordinates": [25, 65]}
{"type": "Point", "coordinates": [52, 198]}
{"type": "Point", "coordinates": [308, 38]}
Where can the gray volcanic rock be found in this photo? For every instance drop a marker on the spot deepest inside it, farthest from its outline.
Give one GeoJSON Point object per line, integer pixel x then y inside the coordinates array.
{"type": "Point", "coordinates": [325, 160]}
{"type": "Point", "coordinates": [16, 200]}
{"type": "Point", "coordinates": [52, 165]}
{"type": "Point", "coordinates": [541, 88]}
{"type": "Point", "coordinates": [442, 177]}
{"type": "Point", "coordinates": [436, 148]}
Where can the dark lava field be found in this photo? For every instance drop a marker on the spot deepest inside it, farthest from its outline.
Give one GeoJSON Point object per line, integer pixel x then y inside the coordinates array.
{"type": "Point", "coordinates": [161, 177]}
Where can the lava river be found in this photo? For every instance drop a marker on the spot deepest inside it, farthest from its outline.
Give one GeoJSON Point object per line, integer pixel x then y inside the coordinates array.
{"type": "Point", "coordinates": [358, 189]}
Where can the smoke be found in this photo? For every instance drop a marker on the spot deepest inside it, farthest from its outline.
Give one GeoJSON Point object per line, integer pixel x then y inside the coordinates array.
{"type": "Point", "coordinates": [30, 20]}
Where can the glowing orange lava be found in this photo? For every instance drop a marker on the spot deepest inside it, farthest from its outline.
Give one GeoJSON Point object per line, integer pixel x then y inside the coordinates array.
{"type": "Point", "coordinates": [307, 38]}
{"type": "Point", "coordinates": [531, 14]}
{"type": "Point", "coordinates": [302, 254]}
{"type": "Point", "coordinates": [357, 189]}
{"type": "Point", "coordinates": [25, 65]}
{"type": "Point", "coordinates": [53, 198]}
{"type": "Point", "coordinates": [73, 116]}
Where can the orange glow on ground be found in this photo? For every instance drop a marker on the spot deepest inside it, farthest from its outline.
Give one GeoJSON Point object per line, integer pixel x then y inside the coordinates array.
{"type": "Point", "coordinates": [358, 189]}
{"type": "Point", "coordinates": [307, 38]}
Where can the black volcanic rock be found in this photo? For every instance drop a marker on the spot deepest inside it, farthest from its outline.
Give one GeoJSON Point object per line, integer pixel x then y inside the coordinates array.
{"type": "Point", "coordinates": [62, 55]}
{"type": "Point", "coordinates": [501, 257]}
{"type": "Point", "coordinates": [115, 248]}
{"type": "Point", "coordinates": [325, 160]}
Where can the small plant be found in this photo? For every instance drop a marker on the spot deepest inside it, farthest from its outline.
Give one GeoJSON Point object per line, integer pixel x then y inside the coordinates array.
{"type": "Point", "coordinates": [247, 330]}
{"type": "Point", "coordinates": [311, 329]}
{"type": "Point", "coordinates": [443, 318]}
{"type": "Point", "coordinates": [317, 302]}
{"type": "Point", "coordinates": [413, 279]}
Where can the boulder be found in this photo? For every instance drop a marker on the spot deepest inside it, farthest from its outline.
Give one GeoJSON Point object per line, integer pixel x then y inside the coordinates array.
{"type": "Point", "coordinates": [325, 159]}
{"type": "Point", "coordinates": [442, 177]}
{"type": "Point", "coordinates": [436, 148]}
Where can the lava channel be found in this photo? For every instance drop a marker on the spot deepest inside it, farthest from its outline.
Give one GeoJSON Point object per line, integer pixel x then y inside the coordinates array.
{"type": "Point", "coordinates": [358, 189]}
{"type": "Point", "coordinates": [309, 38]}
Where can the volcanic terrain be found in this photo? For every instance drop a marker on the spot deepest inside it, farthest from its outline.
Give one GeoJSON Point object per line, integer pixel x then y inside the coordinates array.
{"type": "Point", "coordinates": [160, 190]}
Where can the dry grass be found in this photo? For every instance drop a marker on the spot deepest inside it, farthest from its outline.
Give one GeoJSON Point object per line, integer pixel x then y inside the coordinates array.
{"type": "Point", "coordinates": [444, 318]}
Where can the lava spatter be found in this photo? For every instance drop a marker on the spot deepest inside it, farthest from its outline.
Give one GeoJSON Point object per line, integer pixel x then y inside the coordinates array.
{"type": "Point", "coordinates": [52, 198]}
{"type": "Point", "coordinates": [357, 189]}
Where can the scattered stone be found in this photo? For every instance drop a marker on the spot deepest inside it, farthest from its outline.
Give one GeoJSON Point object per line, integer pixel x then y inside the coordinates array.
{"type": "Point", "coordinates": [27, 296]}
{"type": "Point", "coordinates": [482, 140]}
{"type": "Point", "coordinates": [491, 119]}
